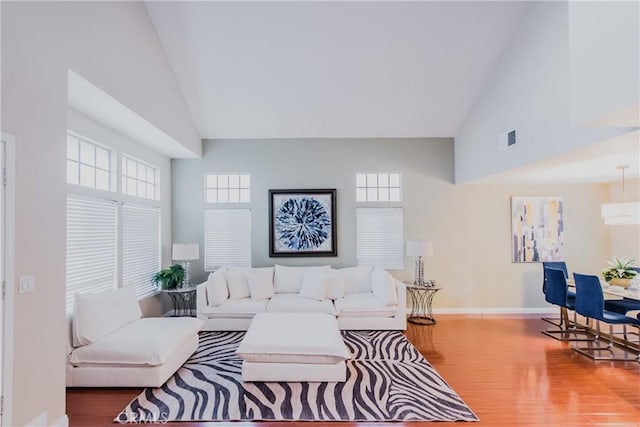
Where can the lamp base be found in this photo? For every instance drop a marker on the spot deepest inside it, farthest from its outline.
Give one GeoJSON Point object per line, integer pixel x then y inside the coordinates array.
{"type": "Point", "coordinates": [419, 272]}
{"type": "Point", "coordinates": [186, 280]}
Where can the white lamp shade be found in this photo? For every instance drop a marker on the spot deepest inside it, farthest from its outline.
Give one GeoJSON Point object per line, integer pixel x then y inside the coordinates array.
{"type": "Point", "coordinates": [185, 251]}
{"type": "Point", "coordinates": [419, 248]}
{"type": "Point", "coordinates": [621, 213]}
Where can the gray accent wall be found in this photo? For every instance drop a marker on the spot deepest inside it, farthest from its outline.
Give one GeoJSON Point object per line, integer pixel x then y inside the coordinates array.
{"type": "Point", "coordinates": [468, 224]}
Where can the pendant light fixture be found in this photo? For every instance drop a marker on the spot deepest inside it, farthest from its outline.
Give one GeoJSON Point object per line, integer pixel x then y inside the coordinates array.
{"type": "Point", "coordinates": [621, 213]}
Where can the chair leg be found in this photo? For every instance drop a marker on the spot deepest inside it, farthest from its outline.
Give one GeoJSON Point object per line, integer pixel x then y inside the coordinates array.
{"type": "Point", "coordinates": [568, 330]}
{"type": "Point", "coordinates": [591, 351]}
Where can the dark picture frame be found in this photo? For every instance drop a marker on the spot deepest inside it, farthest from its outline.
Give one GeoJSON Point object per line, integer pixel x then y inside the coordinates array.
{"type": "Point", "coordinates": [302, 223]}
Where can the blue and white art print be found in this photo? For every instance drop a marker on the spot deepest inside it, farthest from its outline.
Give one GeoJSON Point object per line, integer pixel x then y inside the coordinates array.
{"type": "Point", "coordinates": [302, 222]}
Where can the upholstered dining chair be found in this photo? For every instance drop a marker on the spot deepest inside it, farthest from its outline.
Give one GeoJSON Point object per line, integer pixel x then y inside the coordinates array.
{"type": "Point", "coordinates": [557, 265]}
{"type": "Point", "coordinates": [623, 305]}
{"type": "Point", "coordinates": [556, 292]}
{"type": "Point", "coordinates": [590, 304]}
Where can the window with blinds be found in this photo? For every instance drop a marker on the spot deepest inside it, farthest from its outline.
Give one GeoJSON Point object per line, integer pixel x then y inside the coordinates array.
{"type": "Point", "coordinates": [227, 238]}
{"type": "Point", "coordinates": [379, 237]}
{"type": "Point", "coordinates": [92, 237]}
{"type": "Point", "coordinates": [140, 247]}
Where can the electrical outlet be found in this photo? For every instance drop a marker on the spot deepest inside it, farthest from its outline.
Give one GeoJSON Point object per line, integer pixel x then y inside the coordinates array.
{"type": "Point", "coordinates": [27, 284]}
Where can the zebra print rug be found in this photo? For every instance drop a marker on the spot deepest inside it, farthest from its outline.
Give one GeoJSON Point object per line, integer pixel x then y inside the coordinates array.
{"type": "Point", "coordinates": [387, 380]}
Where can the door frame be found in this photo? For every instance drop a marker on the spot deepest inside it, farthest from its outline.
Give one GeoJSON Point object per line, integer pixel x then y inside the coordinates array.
{"type": "Point", "coordinates": [9, 146]}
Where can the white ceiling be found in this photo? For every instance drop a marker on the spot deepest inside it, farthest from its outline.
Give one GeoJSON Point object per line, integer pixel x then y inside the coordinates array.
{"type": "Point", "coordinates": [332, 69]}
{"type": "Point", "coordinates": [323, 69]}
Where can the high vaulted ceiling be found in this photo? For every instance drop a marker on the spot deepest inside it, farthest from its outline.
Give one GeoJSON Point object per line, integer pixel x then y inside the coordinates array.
{"type": "Point", "coordinates": [332, 69]}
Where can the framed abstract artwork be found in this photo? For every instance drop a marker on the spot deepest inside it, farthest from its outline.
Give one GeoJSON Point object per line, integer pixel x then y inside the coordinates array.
{"type": "Point", "coordinates": [302, 223]}
{"type": "Point", "coordinates": [537, 229]}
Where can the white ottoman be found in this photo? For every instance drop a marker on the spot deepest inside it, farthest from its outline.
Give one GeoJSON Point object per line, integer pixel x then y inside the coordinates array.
{"type": "Point", "coordinates": [293, 347]}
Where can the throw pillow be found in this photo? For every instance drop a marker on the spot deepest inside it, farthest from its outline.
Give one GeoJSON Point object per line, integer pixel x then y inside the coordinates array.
{"type": "Point", "coordinates": [238, 287]}
{"type": "Point", "coordinates": [383, 287]}
{"type": "Point", "coordinates": [288, 280]}
{"type": "Point", "coordinates": [217, 290]}
{"type": "Point", "coordinates": [315, 285]}
{"type": "Point", "coordinates": [357, 280]}
{"type": "Point", "coordinates": [336, 286]}
{"type": "Point", "coordinates": [260, 284]}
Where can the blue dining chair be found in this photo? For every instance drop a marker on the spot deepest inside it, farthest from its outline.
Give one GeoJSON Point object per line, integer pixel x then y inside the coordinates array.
{"type": "Point", "coordinates": [557, 265]}
{"type": "Point", "coordinates": [623, 305]}
{"type": "Point", "coordinates": [556, 292]}
{"type": "Point", "coordinates": [590, 304]}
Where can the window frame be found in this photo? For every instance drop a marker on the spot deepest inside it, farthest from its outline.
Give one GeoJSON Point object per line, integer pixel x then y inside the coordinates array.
{"type": "Point", "coordinates": [117, 196]}
{"type": "Point", "coordinates": [240, 188]}
{"type": "Point", "coordinates": [369, 187]}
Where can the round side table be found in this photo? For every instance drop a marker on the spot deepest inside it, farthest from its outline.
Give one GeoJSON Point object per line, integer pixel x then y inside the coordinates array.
{"type": "Point", "coordinates": [421, 300]}
{"type": "Point", "coordinates": [184, 300]}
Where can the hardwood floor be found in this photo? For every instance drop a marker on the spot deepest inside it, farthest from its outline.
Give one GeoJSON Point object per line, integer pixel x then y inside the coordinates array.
{"type": "Point", "coordinates": [503, 367]}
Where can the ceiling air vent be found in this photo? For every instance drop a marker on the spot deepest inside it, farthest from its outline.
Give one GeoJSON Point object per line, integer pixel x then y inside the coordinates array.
{"type": "Point", "coordinates": [507, 139]}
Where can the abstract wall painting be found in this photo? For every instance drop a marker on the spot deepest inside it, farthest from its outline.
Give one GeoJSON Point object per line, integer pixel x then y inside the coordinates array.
{"type": "Point", "coordinates": [302, 223]}
{"type": "Point", "coordinates": [537, 229]}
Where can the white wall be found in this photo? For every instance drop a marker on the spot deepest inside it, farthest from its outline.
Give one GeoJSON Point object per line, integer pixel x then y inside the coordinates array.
{"type": "Point", "coordinates": [468, 224]}
{"type": "Point", "coordinates": [605, 58]}
{"type": "Point", "coordinates": [529, 91]}
{"type": "Point", "coordinates": [87, 127]}
{"type": "Point", "coordinates": [113, 45]}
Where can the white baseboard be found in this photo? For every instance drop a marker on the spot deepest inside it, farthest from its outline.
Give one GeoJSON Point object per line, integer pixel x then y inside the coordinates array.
{"type": "Point", "coordinates": [39, 421]}
{"type": "Point", "coordinates": [63, 421]}
{"type": "Point", "coordinates": [482, 311]}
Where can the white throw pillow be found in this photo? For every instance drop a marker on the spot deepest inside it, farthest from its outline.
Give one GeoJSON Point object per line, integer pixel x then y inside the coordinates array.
{"type": "Point", "coordinates": [238, 287]}
{"type": "Point", "coordinates": [384, 287]}
{"type": "Point", "coordinates": [96, 315]}
{"type": "Point", "coordinates": [315, 285]}
{"type": "Point", "coordinates": [217, 290]}
{"type": "Point", "coordinates": [336, 285]}
{"type": "Point", "coordinates": [288, 280]}
{"type": "Point", "coordinates": [356, 279]}
{"type": "Point", "coordinates": [260, 284]}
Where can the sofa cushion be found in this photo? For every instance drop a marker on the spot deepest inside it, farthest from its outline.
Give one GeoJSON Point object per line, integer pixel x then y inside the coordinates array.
{"type": "Point", "coordinates": [384, 287]}
{"type": "Point", "coordinates": [149, 342]}
{"type": "Point", "coordinates": [217, 290]}
{"type": "Point", "coordinates": [356, 279]}
{"type": "Point", "coordinates": [336, 285]}
{"type": "Point", "coordinates": [260, 284]}
{"type": "Point", "coordinates": [295, 344]}
{"type": "Point", "coordinates": [96, 315]}
{"type": "Point", "coordinates": [315, 285]}
{"type": "Point", "coordinates": [244, 308]}
{"type": "Point", "coordinates": [237, 283]}
{"type": "Point", "coordinates": [295, 303]}
{"type": "Point", "coordinates": [363, 305]}
{"type": "Point", "coordinates": [288, 280]}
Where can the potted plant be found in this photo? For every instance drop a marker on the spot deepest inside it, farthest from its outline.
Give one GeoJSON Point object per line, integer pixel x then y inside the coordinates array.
{"type": "Point", "coordinates": [619, 272]}
{"type": "Point", "coordinates": [170, 277]}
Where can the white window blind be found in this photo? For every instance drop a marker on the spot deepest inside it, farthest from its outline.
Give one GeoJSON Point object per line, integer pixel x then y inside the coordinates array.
{"type": "Point", "coordinates": [379, 237]}
{"type": "Point", "coordinates": [227, 238]}
{"type": "Point", "coordinates": [92, 231]}
{"type": "Point", "coordinates": [140, 247]}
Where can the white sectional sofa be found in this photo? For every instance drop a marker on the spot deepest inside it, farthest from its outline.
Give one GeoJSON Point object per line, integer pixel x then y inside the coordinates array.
{"type": "Point", "coordinates": [111, 345]}
{"type": "Point", "coordinates": [362, 297]}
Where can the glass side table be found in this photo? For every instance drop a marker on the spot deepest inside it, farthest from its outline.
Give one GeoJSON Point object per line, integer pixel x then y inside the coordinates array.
{"type": "Point", "coordinates": [421, 299]}
{"type": "Point", "coordinates": [184, 301]}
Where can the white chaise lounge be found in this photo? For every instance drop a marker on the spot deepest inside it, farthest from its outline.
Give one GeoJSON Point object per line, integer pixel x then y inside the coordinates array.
{"type": "Point", "coordinates": [110, 345]}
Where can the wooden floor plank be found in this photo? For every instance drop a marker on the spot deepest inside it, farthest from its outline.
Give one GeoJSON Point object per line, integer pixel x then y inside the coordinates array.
{"type": "Point", "coordinates": [503, 367]}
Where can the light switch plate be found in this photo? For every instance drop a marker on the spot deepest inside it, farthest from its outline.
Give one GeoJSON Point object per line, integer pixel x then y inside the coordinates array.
{"type": "Point", "coordinates": [27, 284]}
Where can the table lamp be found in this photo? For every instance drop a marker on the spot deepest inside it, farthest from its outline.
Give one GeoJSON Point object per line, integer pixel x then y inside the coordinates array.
{"type": "Point", "coordinates": [418, 249]}
{"type": "Point", "coordinates": [186, 252]}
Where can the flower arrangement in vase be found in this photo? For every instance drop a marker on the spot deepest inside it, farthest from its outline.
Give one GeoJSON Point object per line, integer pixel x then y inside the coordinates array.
{"type": "Point", "coordinates": [619, 271]}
